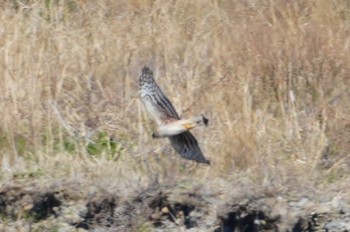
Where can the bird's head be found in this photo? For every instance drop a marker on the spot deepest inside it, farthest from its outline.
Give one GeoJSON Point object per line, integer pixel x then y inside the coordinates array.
{"type": "Point", "coordinates": [205, 120]}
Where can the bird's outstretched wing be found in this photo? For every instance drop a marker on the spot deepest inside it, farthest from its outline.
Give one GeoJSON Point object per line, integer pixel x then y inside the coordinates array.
{"type": "Point", "coordinates": [187, 146]}
{"type": "Point", "coordinates": [163, 112]}
{"type": "Point", "coordinates": [156, 103]}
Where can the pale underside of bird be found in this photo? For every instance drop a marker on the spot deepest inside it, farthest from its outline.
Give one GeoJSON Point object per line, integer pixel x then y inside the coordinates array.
{"type": "Point", "coordinates": [169, 123]}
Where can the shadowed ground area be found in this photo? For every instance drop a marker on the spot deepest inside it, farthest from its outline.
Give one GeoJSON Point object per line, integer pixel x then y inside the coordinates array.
{"type": "Point", "coordinates": [178, 207]}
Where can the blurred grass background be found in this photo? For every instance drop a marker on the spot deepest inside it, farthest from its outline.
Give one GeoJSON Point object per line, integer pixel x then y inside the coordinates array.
{"type": "Point", "coordinates": [272, 77]}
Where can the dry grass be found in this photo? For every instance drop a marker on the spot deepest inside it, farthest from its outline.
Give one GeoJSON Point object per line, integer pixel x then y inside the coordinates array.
{"type": "Point", "coordinates": [272, 76]}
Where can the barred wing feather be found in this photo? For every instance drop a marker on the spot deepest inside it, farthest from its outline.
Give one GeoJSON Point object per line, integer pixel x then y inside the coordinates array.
{"type": "Point", "coordinates": [187, 146]}
{"type": "Point", "coordinates": [156, 103]}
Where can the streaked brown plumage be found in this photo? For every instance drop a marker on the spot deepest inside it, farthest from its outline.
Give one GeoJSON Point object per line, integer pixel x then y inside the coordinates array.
{"type": "Point", "coordinates": [169, 123]}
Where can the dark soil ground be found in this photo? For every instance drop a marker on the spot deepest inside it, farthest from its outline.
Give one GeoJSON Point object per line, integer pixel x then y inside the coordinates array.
{"type": "Point", "coordinates": [66, 207]}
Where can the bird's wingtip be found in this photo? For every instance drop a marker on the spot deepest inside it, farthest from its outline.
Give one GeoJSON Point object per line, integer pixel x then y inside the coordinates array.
{"type": "Point", "coordinates": [146, 70]}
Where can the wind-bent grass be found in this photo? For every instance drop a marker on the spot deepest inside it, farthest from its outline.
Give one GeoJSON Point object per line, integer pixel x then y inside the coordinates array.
{"type": "Point", "coordinates": [271, 76]}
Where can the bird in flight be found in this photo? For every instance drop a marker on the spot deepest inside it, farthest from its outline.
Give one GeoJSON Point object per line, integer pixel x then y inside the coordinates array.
{"type": "Point", "coordinates": [169, 123]}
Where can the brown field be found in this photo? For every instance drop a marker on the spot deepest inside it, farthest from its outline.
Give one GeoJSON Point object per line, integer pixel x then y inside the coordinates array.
{"type": "Point", "coordinates": [272, 76]}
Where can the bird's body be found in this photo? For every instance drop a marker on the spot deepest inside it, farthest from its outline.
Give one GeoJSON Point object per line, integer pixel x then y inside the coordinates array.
{"type": "Point", "coordinates": [169, 123]}
{"type": "Point", "coordinates": [179, 126]}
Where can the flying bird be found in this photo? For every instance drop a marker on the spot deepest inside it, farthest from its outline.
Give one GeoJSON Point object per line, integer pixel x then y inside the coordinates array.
{"type": "Point", "coordinates": [169, 123]}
